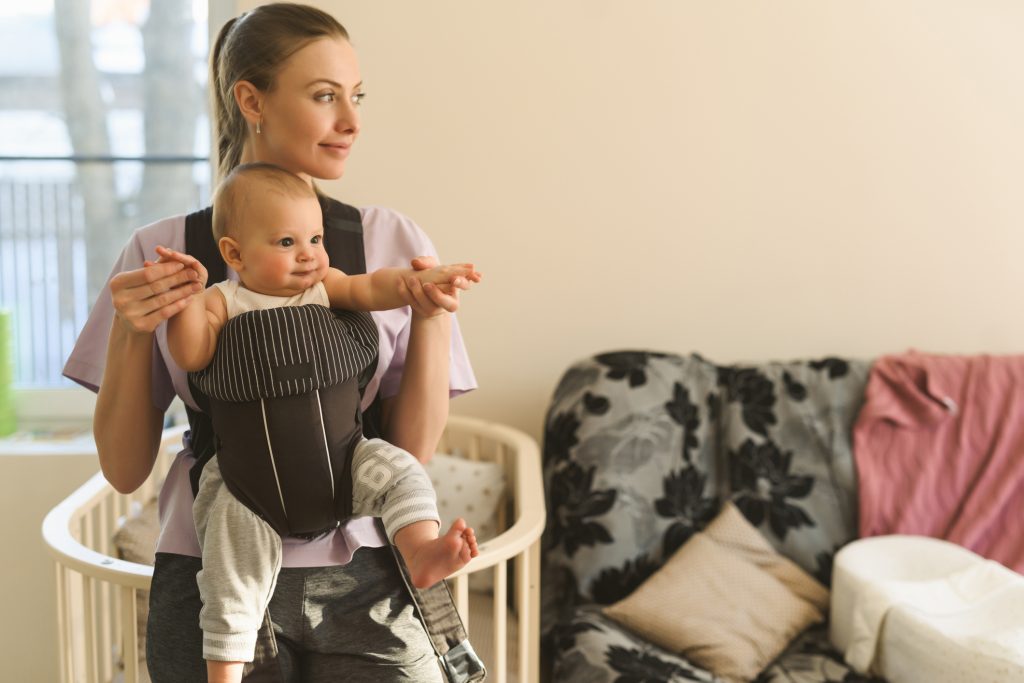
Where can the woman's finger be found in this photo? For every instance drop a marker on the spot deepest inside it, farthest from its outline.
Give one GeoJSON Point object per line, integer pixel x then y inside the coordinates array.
{"type": "Point", "coordinates": [135, 307]}
{"type": "Point", "coordinates": [174, 279]}
{"type": "Point", "coordinates": [152, 320]}
{"type": "Point", "coordinates": [419, 300]}
{"type": "Point", "coordinates": [449, 302]}
{"type": "Point", "coordinates": [142, 276]}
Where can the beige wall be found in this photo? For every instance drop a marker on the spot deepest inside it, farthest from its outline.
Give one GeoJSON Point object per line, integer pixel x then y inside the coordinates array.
{"type": "Point", "coordinates": [747, 180]}
{"type": "Point", "coordinates": [30, 486]}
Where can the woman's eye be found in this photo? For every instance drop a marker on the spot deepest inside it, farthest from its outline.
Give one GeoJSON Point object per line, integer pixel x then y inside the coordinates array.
{"type": "Point", "coordinates": [287, 242]}
{"type": "Point", "coordinates": [324, 97]}
{"type": "Point", "coordinates": [357, 98]}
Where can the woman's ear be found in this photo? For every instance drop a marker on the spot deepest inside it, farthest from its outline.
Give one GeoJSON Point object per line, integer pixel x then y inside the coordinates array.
{"type": "Point", "coordinates": [250, 101]}
{"type": "Point", "coordinates": [231, 254]}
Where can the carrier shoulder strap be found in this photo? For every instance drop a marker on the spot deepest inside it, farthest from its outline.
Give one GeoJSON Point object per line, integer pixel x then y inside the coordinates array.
{"type": "Point", "coordinates": [343, 241]}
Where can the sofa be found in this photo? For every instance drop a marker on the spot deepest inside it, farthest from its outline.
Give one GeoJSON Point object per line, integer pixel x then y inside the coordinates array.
{"type": "Point", "coordinates": [643, 449]}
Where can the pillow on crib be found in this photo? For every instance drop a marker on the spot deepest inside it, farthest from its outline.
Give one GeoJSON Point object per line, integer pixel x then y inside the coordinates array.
{"type": "Point", "coordinates": [471, 489]}
{"type": "Point", "coordinates": [726, 600]}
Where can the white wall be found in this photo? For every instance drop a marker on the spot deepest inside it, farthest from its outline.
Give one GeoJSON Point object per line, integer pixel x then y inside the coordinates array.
{"type": "Point", "coordinates": [748, 180]}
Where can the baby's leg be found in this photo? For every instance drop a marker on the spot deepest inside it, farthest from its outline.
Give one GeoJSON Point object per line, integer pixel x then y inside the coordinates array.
{"type": "Point", "coordinates": [390, 483]}
{"type": "Point", "coordinates": [241, 562]}
{"type": "Point", "coordinates": [431, 558]}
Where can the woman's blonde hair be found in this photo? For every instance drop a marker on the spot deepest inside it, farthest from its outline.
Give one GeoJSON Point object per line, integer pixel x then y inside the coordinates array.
{"type": "Point", "coordinates": [253, 47]}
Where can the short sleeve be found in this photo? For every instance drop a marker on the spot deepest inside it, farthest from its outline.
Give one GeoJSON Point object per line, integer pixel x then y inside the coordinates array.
{"type": "Point", "coordinates": [393, 240]}
{"type": "Point", "coordinates": [88, 357]}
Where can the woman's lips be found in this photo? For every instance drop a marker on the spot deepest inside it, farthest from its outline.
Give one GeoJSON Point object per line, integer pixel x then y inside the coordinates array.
{"type": "Point", "coordinates": [336, 148]}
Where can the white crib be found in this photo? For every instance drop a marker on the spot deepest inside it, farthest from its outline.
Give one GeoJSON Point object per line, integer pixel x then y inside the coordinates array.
{"type": "Point", "coordinates": [97, 592]}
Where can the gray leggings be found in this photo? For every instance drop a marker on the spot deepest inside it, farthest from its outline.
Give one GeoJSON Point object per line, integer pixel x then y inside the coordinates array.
{"type": "Point", "coordinates": [354, 623]}
{"type": "Point", "coordinates": [242, 553]}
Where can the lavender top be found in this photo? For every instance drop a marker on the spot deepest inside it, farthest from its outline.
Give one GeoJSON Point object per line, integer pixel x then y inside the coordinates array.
{"type": "Point", "coordinates": [390, 239]}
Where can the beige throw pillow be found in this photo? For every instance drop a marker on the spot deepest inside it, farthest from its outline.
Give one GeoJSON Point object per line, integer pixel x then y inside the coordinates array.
{"type": "Point", "coordinates": [725, 600]}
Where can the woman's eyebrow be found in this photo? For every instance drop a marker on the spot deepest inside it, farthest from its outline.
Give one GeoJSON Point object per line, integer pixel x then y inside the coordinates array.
{"type": "Point", "coordinates": [334, 83]}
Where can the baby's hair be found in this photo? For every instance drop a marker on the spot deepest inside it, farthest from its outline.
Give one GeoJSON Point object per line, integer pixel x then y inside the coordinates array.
{"type": "Point", "coordinates": [240, 185]}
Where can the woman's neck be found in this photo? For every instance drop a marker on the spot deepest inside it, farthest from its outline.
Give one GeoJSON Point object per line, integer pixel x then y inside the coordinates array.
{"type": "Point", "coordinates": [250, 155]}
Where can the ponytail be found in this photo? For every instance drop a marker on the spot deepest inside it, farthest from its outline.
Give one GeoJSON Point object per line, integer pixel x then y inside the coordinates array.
{"type": "Point", "coordinates": [229, 137]}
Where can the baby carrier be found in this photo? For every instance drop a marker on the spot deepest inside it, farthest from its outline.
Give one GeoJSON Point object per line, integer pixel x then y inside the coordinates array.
{"type": "Point", "coordinates": [283, 392]}
{"type": "Point", "coordinates": [273, 369]}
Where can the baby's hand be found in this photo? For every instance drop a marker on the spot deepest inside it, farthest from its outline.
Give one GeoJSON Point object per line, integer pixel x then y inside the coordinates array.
{"type": "Point", "coordinates": [166, 255]}
{"type": "Point", "coordinates": [451, 277]}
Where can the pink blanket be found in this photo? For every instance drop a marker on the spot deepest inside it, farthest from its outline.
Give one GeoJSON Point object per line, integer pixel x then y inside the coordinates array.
{"type": "Point", "coordinates": [939, 447]}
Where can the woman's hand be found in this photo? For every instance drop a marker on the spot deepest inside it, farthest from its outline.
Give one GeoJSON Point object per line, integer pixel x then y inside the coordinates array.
{"type": "Point", "coordinates": [428, 299]}
{"type": "Point", "coordinates": [145, 297]}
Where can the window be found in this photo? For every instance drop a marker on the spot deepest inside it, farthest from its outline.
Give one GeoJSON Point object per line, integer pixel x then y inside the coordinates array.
{"type": "Point", "coordinates": [103, 128]}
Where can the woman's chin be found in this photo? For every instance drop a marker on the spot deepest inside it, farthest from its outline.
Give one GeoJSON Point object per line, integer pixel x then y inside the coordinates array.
{"type": "Point", "coordinates": [329, 170]}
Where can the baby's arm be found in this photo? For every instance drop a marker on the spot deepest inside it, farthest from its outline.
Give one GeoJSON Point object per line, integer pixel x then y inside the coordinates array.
{"type": "Point", "coordinates": [192, 333]}
{"type": "Point", "coordinates": [382, 289]}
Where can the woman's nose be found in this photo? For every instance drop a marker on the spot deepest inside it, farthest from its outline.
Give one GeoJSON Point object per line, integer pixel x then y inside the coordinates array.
{"type": "Point", "coordinates": [348, 118]}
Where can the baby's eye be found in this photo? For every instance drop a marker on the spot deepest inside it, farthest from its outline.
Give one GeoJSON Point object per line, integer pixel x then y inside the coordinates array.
{"type": "Point", "coordinates": [357, 98]}
{"type": "Point", "coordinates": [316, 239]}
{"type": "Point", "coordinates": [324, 97]}
{"type": "Point", "coordinates": [286, 241]}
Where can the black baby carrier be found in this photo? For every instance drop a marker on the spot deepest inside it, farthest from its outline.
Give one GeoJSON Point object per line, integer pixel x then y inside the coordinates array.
{"type": "Point", "coordinates": [272, 370]}
{"type": "Point", "coordinates": [283, 392]}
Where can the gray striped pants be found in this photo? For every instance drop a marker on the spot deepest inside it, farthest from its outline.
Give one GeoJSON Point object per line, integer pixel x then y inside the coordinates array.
{"type": "Point", "coordinates": [242, 553]}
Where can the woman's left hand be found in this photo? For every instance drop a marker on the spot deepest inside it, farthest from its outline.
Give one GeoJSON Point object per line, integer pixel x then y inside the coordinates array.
{"type": "Point", "coordinates": [428, 300]}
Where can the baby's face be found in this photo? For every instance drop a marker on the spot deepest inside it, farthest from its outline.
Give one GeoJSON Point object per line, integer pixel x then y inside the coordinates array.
{"type": "Point", "coordinates": [281, 246]}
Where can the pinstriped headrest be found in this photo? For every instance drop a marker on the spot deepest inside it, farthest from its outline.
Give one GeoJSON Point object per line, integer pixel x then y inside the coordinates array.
{"type": "Point", "coordinates": [287, 351]}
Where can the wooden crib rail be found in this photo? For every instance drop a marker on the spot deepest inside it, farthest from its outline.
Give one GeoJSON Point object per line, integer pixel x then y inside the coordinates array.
{"type": "Point", "coordinates": [520, 456]}
{"type": "Point", "coordinates": [97, 593]}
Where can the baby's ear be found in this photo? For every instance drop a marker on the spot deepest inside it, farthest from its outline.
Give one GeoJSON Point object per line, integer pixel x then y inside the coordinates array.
{"type": "Point", "coordinates": [230, 252]}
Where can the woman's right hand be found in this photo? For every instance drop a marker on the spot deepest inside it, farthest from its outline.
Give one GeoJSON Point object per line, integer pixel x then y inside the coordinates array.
{"type": "Point", "coordinates": [145, 297]}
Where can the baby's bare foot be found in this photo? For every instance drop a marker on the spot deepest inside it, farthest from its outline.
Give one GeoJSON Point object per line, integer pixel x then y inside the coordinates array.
{"type": "Point", "coordinates": [443, 556]}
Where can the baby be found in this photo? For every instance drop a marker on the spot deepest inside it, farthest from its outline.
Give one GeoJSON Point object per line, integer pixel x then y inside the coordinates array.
{"type": "Point", "coordinates": [269, 228]}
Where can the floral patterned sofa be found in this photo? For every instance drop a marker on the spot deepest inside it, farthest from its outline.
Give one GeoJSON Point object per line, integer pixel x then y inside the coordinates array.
{"type": "Point", "coordinates": [641, 449]}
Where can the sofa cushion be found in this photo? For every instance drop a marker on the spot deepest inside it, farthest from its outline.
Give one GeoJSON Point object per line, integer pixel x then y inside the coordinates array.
{"type": "Point", "coordinates": [786, 448]}
{"type": "Point", "coordinates": [591, 648]}
{"type": "Point", "coordinates": [725, 600]}
{"type": "Point", "coordinates": [628, 451]}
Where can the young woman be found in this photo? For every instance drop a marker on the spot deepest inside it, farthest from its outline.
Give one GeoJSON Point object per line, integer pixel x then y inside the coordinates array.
{"type": "Point", "coordinates": [286, 89]}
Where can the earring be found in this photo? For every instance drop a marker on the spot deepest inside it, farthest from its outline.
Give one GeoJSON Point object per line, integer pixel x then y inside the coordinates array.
{"type": "Point", "coordinates": [258, 131]}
